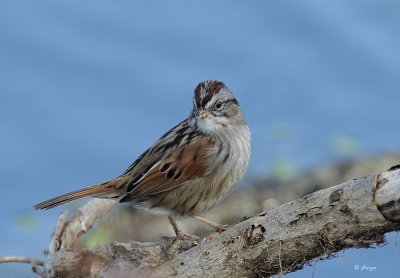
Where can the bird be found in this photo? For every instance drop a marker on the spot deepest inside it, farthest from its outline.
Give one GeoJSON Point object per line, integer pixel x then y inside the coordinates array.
{"type": "Point", "coordinates": [189, 168]}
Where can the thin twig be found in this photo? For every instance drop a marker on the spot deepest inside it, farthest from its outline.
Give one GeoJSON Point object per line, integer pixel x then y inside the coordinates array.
{"type": "Point", "coordinates": [34, 263]}
{"type": "Point", "coordinates": [17, 259]}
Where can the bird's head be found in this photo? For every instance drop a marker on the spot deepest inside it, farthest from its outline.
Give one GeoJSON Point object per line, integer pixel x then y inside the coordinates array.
{"type": "Point", "coordinates": [215, 107]}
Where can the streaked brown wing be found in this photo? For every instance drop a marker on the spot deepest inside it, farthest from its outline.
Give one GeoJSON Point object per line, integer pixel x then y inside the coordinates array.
{"type": "Point", "coordinates": [183, 163]}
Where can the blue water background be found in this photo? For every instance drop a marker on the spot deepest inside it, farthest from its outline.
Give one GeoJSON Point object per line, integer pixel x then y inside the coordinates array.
{"type": "Point", "coordinates": [86, 86]}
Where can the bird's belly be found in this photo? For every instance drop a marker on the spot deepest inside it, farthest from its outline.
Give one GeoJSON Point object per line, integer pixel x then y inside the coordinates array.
{"type": "Point", "coordinates": [189, 198]}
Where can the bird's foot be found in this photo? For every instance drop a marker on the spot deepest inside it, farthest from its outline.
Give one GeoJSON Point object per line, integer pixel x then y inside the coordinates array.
{"type": "Point", "coordinates": [182, 236]}
{"type": "Point", "coordinates": [217, 230]}
{"type": "Point", "coordinates": [220, 228]}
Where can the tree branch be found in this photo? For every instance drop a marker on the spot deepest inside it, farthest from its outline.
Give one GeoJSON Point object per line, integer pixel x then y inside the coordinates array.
{"type": "Point", "coordinates": [354, 214]}
{"type": "Point", "coordinates": [17, 259]}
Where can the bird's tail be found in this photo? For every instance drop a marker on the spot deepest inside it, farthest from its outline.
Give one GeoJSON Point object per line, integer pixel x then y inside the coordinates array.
{"type": "Point", "coordinates": [111, 189]}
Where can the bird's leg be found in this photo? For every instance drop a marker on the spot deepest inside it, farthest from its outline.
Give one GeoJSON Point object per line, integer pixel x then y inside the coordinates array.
{"type": "Point", "coordinates": [181, 235]}
{"type": "Point", "coordinates": [217, 227]}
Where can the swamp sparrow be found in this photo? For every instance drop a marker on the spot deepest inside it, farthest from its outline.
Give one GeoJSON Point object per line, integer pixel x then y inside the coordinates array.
{"type": "Point", "coordinates": [189, 168]}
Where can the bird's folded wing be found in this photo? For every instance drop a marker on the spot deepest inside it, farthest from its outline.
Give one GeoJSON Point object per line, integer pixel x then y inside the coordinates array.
{"type": "Point", "coordinates": [184, 163]}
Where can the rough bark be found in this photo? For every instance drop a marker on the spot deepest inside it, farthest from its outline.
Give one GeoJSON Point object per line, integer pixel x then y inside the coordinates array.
{"type": "Point", "coordinates": [258, 194]}
{"type": "Point", "coordinates": [354, 214]}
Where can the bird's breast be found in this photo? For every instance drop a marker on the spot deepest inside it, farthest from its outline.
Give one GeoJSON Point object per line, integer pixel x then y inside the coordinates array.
{"type": "Point", "coordinates": [227, 162]}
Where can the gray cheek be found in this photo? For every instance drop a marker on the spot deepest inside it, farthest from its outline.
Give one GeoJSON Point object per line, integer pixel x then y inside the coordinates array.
{"type": "Point", "coordinates": [231, 112]}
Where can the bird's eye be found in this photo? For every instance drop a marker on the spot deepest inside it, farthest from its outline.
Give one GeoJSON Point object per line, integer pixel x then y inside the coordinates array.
{"type": "Point", "coordinates": [218, 105]}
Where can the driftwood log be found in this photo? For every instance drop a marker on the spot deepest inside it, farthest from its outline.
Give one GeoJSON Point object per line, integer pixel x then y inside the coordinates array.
{"type": "Point", "coordinates": [258, 194]}
{"type": "Point", "coordinates": [356, 213]}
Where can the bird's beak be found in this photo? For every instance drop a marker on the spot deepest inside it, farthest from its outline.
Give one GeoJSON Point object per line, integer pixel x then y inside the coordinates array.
{"type": "Point", "coordinates": [203, 115]}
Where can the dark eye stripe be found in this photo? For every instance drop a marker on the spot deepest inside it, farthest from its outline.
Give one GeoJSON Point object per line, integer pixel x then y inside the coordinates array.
{"type": "Point", "coordinates": [233, 100]}
{"type": "Point", "coordinates": [219, 113]}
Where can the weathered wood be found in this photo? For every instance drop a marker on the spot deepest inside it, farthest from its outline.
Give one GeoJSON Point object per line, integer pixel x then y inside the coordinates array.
{"type": "Point", "coordinates": [354, 214]}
